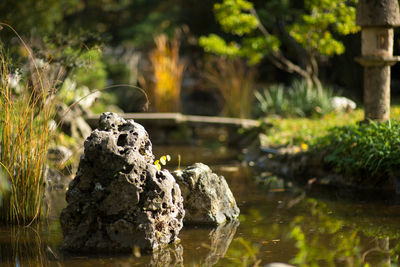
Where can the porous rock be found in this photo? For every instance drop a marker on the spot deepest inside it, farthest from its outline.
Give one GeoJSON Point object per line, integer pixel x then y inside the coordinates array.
{"type": "Point", "coordinates": [119, 200]}
{"type": "Point", "coordinates": [207, 197]}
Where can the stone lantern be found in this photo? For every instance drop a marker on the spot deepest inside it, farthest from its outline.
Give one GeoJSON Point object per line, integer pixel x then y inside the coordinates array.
{"type": "Point", "coordinates": [377, 19]}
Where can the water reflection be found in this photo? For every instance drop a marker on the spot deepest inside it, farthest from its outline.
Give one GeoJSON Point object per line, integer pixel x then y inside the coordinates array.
{"type": "Point", "coordinates": [169, 256]}
{"type": "Point", "coordinates": [275, 226]}
{"type": "Point", "coordinates": [27, 246]}
{"type": "Point", "coordinates": [219, 241]}
{"type": "Point", "coordinates": [23, 246]}
{"type": "Point", "coordinates": [310, 232]}
{"type": "Point", "coordinates": [325, 239]}
{"type": "Point", "coordinates": [205, 246]}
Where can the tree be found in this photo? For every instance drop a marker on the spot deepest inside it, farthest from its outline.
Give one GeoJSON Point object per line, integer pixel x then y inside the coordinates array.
{"type": "Point", "coordinates": [35, 17]}
{"type": "Point", "coordinates": [294, 35]}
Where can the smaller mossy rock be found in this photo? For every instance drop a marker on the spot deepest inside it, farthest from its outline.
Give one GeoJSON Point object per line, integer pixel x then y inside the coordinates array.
{"type": "Point", "coordinates": [207, 197]}
{"type": "Point", "coordinates": [118, 199]}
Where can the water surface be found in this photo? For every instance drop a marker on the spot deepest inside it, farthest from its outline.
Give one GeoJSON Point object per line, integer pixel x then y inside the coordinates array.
{"type": "Point", "coordinates": [276, 225]}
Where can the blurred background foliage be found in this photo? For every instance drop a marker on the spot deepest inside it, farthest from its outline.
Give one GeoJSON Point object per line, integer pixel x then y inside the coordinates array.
{"type": "Point", "coordinates": [109, 42]}
{"type": "Point", "coordinates": [296, 36]}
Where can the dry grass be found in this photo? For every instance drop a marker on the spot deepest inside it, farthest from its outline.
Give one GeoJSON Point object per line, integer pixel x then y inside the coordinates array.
{"type": "Point", "coordinates": [168, 72]}
{"type": "Point", "coordinates": [24, 139]}
{"type": "Point", "coordinates": [235, 82]}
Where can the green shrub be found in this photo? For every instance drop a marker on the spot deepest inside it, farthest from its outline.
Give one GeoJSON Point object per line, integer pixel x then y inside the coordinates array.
{"type": "Point", "coordinates": [272, 100]}
{"type": "Point", "coordinates": [91, 71]}
{"type": "Point", "coordinates": [372, 148]}
{"type": "Point", "coordinates": [299, 100]}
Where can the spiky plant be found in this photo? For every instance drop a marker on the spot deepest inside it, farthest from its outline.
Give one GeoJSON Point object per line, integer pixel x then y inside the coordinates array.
{"type": "Point", "coordinates": [24, 138]}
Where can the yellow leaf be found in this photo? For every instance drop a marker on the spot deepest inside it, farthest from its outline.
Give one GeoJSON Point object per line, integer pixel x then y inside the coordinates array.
{"type": "Point", "coordinates": [157, 164]}
{"type": "Point", "coordinates": [163, 160]}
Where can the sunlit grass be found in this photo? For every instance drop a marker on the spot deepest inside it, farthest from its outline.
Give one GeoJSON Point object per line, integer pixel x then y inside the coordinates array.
{"type": "Point", "coordinates": [24, 139]}
{"type": "Point", "coordinates": [297, 131]}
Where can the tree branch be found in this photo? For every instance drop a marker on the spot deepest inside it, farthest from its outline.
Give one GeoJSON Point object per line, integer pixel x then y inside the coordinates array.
{"type": "Point", "coordinates": [259, 25]}
{"type": "Point", "coordinates": [277, 58]}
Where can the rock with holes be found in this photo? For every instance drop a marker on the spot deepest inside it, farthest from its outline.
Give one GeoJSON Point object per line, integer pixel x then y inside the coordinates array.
{"type": "Point", "coordinates": [207, 197]}
{"type": "Point", "coordinates": [119, 200]}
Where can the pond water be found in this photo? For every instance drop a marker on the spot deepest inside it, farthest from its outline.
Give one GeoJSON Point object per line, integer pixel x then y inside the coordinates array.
{"type": "Point", "coordinates": [276, 225]}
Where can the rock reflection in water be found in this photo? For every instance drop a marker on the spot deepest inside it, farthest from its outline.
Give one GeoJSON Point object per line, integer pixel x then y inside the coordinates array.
{"type": "Point", "coordinates": [219, 241]}
{"type": "Point", "coordinates": [211, 246]}
{"type": "Point", "coordinates": [205, 246]}
{"type": "Point", "coordinates": [169, 256]}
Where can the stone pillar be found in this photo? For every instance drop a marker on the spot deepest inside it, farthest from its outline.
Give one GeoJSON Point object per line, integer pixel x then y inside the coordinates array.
{"type": "Point", "coordinates": [377, 19]}
{"type": "Point", "coordinates": [377, 93]}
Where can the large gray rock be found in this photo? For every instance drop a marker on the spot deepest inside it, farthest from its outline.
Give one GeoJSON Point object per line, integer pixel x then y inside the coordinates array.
{"type": "Point", "coordinates": [119, 200]}
{"type": "Point", "coordinates": [207, 197]}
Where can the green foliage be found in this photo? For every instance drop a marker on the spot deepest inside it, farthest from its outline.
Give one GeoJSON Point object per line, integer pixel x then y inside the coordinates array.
{"type": "Point", "coordinates": [234, 17]}
{"type": "Point", "coordinates": [372, 148]}
{"type": "Point", "coordinates": [314, 30]}
{"type": "Point", "coordinates": [298, 100]}
{"type": "Point", "coordinates": [254, 48]}
{"type": "Point", "coordinates": [272, 100]}
{"type": "Point", "coordinates": [88, 74]}
{"type": "Point", "coordinates": [91, 71]}
{"type": "Point", "coordinates": [214, 43]}
{"type": "Point", "coordinates": [134, 22]}
{"type": "Point", "coordinates": [35, 17]}
{"type": "Point", "coordinates": [313, 26]}
{"type": "Point", "coordinates": [148, 18]}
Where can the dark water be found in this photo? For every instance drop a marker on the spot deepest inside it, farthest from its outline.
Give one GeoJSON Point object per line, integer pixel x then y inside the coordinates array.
{"type": "Point", "coordinates": [276, 225]}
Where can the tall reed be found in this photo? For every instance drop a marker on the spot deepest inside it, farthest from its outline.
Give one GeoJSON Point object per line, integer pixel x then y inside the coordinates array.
{"type": "Point", "coordinates": [235, 82]}
{"type": "Point", "coordinates": [168, 73]}
{"type": "Point", "coordinates": [24, 139]}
